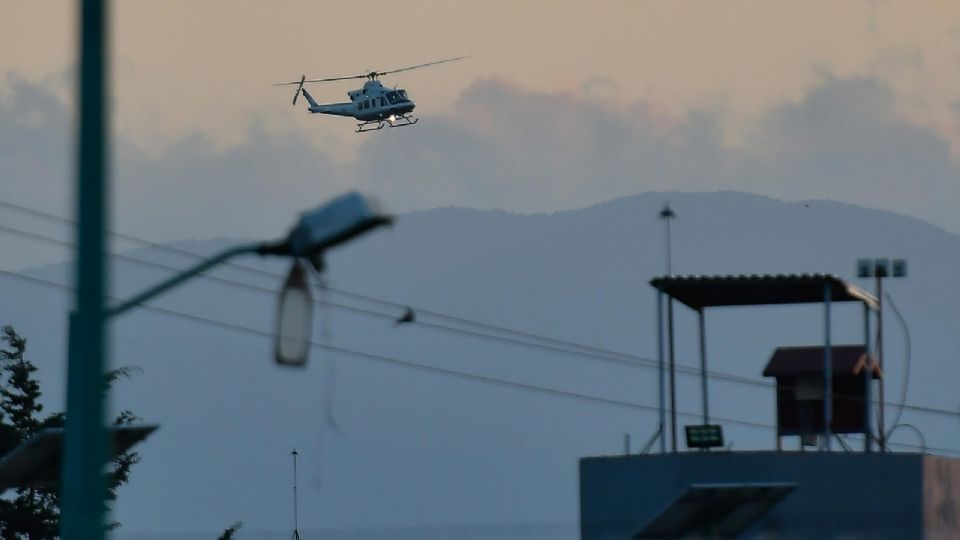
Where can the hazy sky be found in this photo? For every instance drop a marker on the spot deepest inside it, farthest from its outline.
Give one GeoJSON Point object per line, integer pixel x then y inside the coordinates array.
{"type": "Point", "coordinates": [561, 105]}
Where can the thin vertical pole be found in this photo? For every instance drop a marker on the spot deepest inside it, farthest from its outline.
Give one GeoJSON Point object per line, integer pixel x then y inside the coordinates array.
{"type": "Point", "coordinates": [867, 381]}
{"type": "Point", "coordinates": [827, 368]}
{"type": "Point", "coordinates": [703, 368]}
{"type": "Point", "coordinates": [667, 214]}
{"type": "Point", "coordinates": [881, 425]}
{"type": "Point", "coordinates": [673, 377]}
{"type": "Point", "coordinates": [83, 489]}
{"type": "Point", "coordinates": [662, 394]}
{"type": "Point", "coordinates": [296, 509]}
{"type": "Point", "coordinates": [669, 247]}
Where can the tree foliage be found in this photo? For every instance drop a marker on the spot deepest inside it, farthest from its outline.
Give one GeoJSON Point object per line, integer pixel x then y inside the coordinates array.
{"type": "Point", "coordinates": [230, 531]}
{"type": "Point", "coordinates": [34, 513]}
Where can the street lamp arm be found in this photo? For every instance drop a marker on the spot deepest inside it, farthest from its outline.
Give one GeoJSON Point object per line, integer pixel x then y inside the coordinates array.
{"type": "Point", "coordinates": [262, 248]}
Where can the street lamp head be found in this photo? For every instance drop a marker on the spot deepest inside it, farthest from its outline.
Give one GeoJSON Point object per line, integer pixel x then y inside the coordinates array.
{"type": "Point", "coordinates": [337, 221]}
{"type": "Point", "coordinates": [667, 212]}
{"type": "Point", "coordinates": [294, 319]}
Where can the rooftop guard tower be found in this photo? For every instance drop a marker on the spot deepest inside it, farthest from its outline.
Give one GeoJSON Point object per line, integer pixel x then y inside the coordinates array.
{"type": "Point", "coordinates": [822, 390]}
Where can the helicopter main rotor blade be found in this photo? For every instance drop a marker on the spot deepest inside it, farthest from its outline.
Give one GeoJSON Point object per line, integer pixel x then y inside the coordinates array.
{"type": "Point", "coordinates": [322, 80]}
{"type": "Point", "coordinates": [408, 68]}
{"type": "Point", "coordinates": [370, 75]}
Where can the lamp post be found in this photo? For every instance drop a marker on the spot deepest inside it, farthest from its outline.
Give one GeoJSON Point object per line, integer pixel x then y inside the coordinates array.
{"type": "Point", "coordinates": [879, 269]}
{"type": "Point", "coordinates": [667, 214]}
{"type": "Point", "coordinates": [84, 494]}
{"type": "Point", "coordinates": [84, 490]}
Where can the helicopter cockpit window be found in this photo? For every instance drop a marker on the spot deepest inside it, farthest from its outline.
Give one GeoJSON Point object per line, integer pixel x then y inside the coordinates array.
{"type": "Point", "coordinates": [403, 93]}
{"type": "Point", "coordinates": [392, 97]}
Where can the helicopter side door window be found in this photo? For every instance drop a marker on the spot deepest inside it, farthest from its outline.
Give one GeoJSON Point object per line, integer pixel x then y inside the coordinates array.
{"type": "Point", "coordinates": [383, 101]}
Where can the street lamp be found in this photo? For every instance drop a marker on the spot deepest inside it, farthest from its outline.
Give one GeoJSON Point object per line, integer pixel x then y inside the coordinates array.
{"type": "Point", "coordinates": [336, 222]}
{"type": "Point", "coordinates": [879, 269]}
{"type": "Point", "coordinates": [294, 319]}
{"type": "Point", "coordinates": [667, 214]}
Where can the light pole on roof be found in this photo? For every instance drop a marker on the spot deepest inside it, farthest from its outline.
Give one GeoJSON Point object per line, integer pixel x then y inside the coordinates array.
{"type": "Point", "coordinates": [667, 214]}
{"type": "Point", "coordinates": [879, 269]}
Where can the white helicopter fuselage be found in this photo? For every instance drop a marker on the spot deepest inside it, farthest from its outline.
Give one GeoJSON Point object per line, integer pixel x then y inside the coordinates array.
{"type": "Point", "coordinates": [371, 103]}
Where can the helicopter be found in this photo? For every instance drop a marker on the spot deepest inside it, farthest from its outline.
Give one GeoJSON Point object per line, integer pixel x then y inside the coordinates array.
{"type": "Point", "coordinates": [374, 105]}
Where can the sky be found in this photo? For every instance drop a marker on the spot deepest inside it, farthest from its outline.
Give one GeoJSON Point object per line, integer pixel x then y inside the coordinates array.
{"type": "Point", "coordinates": [561, 105]}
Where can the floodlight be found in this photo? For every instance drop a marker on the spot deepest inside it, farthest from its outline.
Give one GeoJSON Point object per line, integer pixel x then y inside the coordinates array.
{"type": "Point", "coordinates": [294, 319]}
{"type": "Point", "coordinates": [865, 268]}
{"type": "Point", "coordinates": [704, 436]}
{"type": "Point", "coordinates": [882, 268]}
{"type": "Point", "coordinates": [899, 268]}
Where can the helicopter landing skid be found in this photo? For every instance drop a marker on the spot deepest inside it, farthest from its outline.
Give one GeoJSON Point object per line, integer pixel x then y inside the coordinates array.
{"type": "Point", "coordinates": [372, 125]}
{"type": "Point", "coordinates": [376, 125]}
{"type": "Point", "coordinates": [401, 121]}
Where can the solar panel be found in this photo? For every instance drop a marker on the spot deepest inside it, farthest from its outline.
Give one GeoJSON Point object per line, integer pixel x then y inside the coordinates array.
{"type": "Point", "coordinates": [715, 510]}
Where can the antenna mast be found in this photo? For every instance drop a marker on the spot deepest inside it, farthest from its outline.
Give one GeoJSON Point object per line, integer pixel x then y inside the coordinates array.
{"type": "Point", "coordinates": [296, 520]}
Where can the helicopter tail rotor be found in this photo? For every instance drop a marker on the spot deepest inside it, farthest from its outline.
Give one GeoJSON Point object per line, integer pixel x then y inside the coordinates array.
{"type": "Point", "coordinates": [296, 95]}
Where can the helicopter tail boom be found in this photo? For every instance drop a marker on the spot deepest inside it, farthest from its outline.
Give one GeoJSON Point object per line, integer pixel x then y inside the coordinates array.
{"type": "Point", "coordinates": [306, 95]}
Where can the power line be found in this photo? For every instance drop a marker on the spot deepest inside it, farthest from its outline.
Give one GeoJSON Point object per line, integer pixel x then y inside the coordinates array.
{"type": "Point", "coordinates": [377, 357]}
{"type": "Point", "coordinates": [547, 343]}
{"type": "Point", "coordinates": [435, 369]}
{"type": "Point", "coordinates": [586, 352]}
{"type": "Point", "coordinates": [367, 298]}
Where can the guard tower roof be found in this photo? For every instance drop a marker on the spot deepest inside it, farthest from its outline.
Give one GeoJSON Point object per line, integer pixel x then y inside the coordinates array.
{"type": "Point", "coordinates": [699, 292]}
{"type": "Point", "coordinates": [847, 360]}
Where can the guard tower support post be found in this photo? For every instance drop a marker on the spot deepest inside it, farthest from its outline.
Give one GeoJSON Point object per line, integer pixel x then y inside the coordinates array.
{"type": "Point", "coordinates": [827, 369]}
{"type": "Point", "coordinates": [867, 382]}
{"type": "Point", "coordinates": [703, 368]}
{"type": "Point", "coordinates": [662, 394]}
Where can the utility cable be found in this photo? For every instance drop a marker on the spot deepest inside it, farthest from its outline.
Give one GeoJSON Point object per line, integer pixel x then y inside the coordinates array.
{"type": "Point", "coordinates": [561, 346]}
{"type": "Point", "coordinates": [436, 369]}
{"type": "Point", "coordinates": [549, 343]}
{"type": "Point", "coordinates": [906, 370]}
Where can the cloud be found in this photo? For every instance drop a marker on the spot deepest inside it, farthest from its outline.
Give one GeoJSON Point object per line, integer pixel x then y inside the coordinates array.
{"type": "Point", "coordinates": [847, 141]}
{"type": "Point", "coordinates": [35, 130]}
{"type": "Point", "coordinates": [502, 147]}
{"type": "Point", "coordinates": [529, 152]}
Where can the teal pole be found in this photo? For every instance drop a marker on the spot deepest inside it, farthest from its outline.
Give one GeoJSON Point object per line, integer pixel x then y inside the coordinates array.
{"type": "Point", "coordinates": [83, 495]}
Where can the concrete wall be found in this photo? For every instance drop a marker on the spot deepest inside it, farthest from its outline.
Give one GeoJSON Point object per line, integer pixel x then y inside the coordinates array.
{"type": "Point", "coordinates": [847, 496]}
{"type": "Point", "coordinates": [941, 498]}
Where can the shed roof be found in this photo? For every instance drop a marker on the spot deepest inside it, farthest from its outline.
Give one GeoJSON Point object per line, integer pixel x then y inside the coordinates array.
{"type": "Point", "coordinates": [792, 361]}
{"type": "Point", "coordinates": [699, 292]}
